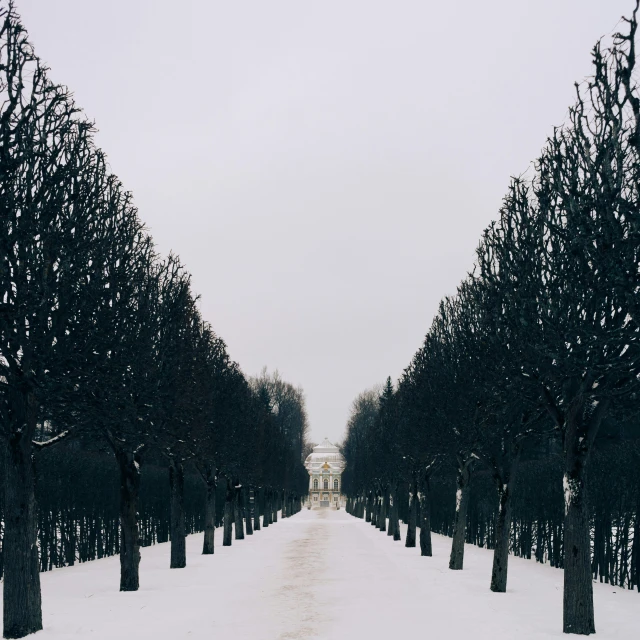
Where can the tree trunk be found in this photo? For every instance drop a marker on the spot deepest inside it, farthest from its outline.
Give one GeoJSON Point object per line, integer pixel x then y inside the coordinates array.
{"type": "Point", "coordinates": [369, 508]}
{"type": "Point", "coordinates": [129, 532]}
{"type": "Point", "coordinates": [456, 560]}
{"type": "Point", "coordinates": [504, 483]}
{"type": "Point", "coordinates": [578, 588]}
{"type": "Point", "coordinates": [375, 508]}
{"type": "Point", "coordinates": [249, 512]}
{"type": "Point", "coordinates": [540, 541]}
{"type": "Point", "coordinates": [635, 550]}
{"type": "Point", "coordinates": [425, 516]}
{"type": "Point", "coordinates": [22, 606]}
{"type": "Point", "coordinates": [390, 511]}
{"type": "Point", "coordinates": [238, 512]}
{"type": "Point", "coordinates": [410, 540]}
{"type": "Point", "coordinates": [375, 514]}
{"type": "Point", "coordinates": [394, 518]}
{"type": "Point", "coordinates": [396, 514]}
{"type": "Point", "coordinates": [70, 542]}
{"type": "Point", "coordinates": [502, 538]}
{"type": "Point", "coordinates": [266, 514]}
{"type": "Point", "coordinates": [178, 538]}
{"type": "Point", "coordinates": [227, 531]}
{"type": "Point", "coordinates": [382, 513]}
{"type": "Point", "coordinates": [209, 513]}
{"type": "Point", "coordinates": [256, 511]}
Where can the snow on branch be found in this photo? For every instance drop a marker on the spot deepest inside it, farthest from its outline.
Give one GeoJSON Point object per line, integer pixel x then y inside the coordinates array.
{"type": "Point", "coordinates": [50, 441]}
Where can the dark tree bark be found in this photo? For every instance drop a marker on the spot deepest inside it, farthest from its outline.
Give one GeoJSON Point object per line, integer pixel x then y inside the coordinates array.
{"type": "Point", "coordinates": [456, 560]}
{"type": "Point", "coordinates": [394, 520]}
{"type": "Point", "coordinates": [391, 509]}
{"type": "Point", "coordinates": [502, 537]}
{"type": "Point", "coordinates": [425, 515]}
{"type": "Point", "coordinates": [578, 586]}
{"type": "Point", "coordinates": [635, 550]}
{"type": "Point", "coordinates": [375, 510]}
{"type": "Point", "coordinates": [70, 540]}
{"type": "Point", "coordinates": [250, 512]}
{"type": "Point", "coordinates": [209, 512]}
{"type": "Point", "coordinates": [382, 514]}
{"type": "Point", "coordinates": [22, 613]}
{"type": "Point", "coordinates": [256, 511]}
{"type": "Point", "coordinates": [410, 540]}
{"type": "Point", "coordinates": [178, 536]}
{"type": "Point", "coordinates": [504, 477]}
{"type": "Point", "coordinates": [129, 465]}
{"type": "Point", "coordinates": [580, 428]}
{"type": "Point", "coordinates": [396, 514]}
{"type": "Point", "coordinates": [540, 538]}
{"type": "Point", "coordinates": [238, 512]}
{"type": "Point", "coordinates": [266, 514]}
{"type": "Point", "coordinates": [369, 507]}
{"type": "Point", "coordinates": [227, 532]}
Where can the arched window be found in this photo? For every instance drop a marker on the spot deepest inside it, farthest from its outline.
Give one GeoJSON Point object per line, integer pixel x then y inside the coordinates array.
{"type": "Point", "coordinates": [315, 484]}
{"type": "Point", "coordinates": [335, 484]}
{"type": "Point", "coordinates": [326, 484]}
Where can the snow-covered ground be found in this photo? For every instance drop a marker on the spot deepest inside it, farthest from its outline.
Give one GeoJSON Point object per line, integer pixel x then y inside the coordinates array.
{"type": "Point", "coordinates": [320, 574]}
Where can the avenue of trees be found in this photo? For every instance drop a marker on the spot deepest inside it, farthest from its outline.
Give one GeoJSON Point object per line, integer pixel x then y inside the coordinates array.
{"type": "Point", "coordinates": [123, 420]}
{"type": "Point", "coordinates": [515, 426]}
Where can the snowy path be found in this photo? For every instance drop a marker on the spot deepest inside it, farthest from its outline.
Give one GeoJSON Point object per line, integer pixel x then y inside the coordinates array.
{"type": "Point", "coordinates": [320, 574]}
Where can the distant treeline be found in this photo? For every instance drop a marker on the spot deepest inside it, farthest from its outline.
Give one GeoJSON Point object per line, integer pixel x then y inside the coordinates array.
{"type": "Point", "coordinates": [109, 377]}
{"type": "Point", "coordinates": [538, 511]}
{"type": "Point", "coordinates": [78, 506]}
{"type": "Point", "coordinates": [516, 423]}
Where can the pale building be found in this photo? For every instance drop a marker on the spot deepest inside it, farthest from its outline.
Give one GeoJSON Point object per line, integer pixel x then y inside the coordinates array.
{"type": "Point", "coordinates": [325, 466]}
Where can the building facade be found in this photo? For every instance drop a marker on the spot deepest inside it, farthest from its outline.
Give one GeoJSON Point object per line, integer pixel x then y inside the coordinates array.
{"type": "Point", "coordinates": [325, 466]}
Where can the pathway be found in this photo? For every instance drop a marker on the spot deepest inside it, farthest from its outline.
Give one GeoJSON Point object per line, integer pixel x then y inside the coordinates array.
{"type": "Point", "coordinates": [321, 574]}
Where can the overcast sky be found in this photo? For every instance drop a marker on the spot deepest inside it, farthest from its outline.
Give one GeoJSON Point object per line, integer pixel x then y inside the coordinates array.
{"type": "Point", "coordinates": [324, 169]}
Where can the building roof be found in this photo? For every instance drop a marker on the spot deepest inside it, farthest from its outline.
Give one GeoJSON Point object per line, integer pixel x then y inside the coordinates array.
{"type": "Point", "coordinates": [325, 453]}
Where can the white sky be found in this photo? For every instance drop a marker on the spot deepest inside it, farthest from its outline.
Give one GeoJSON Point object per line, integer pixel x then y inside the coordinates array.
{"type": "Point", "coordinates": [324, 169]}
